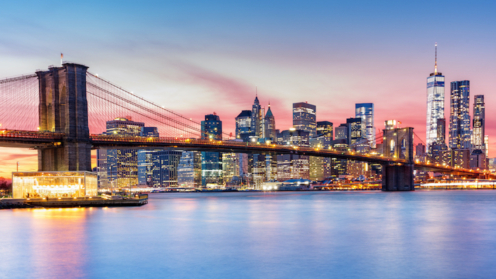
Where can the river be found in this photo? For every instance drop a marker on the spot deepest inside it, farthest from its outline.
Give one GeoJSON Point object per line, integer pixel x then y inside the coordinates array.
{"type": "Point", "coordinates": [369, 234]}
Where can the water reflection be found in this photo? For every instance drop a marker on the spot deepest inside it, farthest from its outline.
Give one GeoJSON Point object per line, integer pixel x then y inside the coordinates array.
{"type": "Point", "coordinates": [433, 234]}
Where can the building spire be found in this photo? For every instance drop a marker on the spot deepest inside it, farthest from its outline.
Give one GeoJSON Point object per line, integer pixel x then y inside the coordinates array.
{"type": "Point", "coordinates": [435, 60]}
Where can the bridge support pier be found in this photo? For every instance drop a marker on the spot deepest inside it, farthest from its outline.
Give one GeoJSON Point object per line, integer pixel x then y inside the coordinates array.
{"type": "Point", "coordinates": [398, 178]}
{"type": "Point", "coordinates": [64, 109]}
{"type": "Point", "coordinates": [398, 144]}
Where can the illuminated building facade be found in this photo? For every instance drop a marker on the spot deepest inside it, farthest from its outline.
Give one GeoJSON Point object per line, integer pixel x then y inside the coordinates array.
{"type": "Point", "coordinates": [354, 130]}
{"type": "Point", "coordinates": [211, 162]}
{"type": "Point", "coordinates": [53, 185]}
{"type": "Point", "coordinates": [304, 118]}
{"type": "Point", "coordinates": [459, 130]}
{"type": "Point", "coordinates": [269, 131]}
{"type": "Point", "coordinates": [320, 167]}
{"type": "Point", "coordinates": [243, 125]}
{"type": "Point", "coordinates": [325, 129]}
{"type": "Point", "coordinates": [435, 103]}
{"type": "Point", "coordinates": [186, 169]}
{"type": "Point", "coordinates": [365, 112]}
{"type": "Point", "coordinates": [291, 166]}
{"type": "Point", "coordinates": [441, 131]}
{"type": "Point", "coordinates": [122, 164]}
{"type": "Point", "coordinates": [230, 166]}
{"type": "Point", "coordinates": [256, 118]}
{"type": "Point", "coordinates": [165, 168]}
{"type": "Point", "coordinates": [478, 124]}
{"type": "Point", "coordinates": [342, 132]}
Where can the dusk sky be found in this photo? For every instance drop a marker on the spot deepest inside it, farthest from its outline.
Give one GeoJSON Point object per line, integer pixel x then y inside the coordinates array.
{"type": "Point", "coordinates": [199, 57]}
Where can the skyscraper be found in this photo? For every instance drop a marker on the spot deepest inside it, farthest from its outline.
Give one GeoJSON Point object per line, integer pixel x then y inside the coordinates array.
{"type": "Point", "coordinates": [256, 118]}
{"type": "Point", "coordinates": [122, 164]}
{"type": "Point", "coordinates": [435, 103]}
{"type": "Point", "coordinates": [354, 130]}
{"type": "Point", "coordinates": [342, 132]}
{"type": "Point", "coordinates": [269, 126]}
{"type": "Point", "coordinates": [459, 130]}
{"type": "Point", "coordinates": [243, 125]}
{"type": "Point", "coordinates": [478, 126]}
{"type": "Point", "coordinates": [441, 131]}
{"type": "Point", "coordinates": [365, 112]}
{"type": "Point", "coordinates": [211, 162]}
{"type": "Point", "coordinates": [304, 118]}
{"type": "Point", "coordinates": [325, 129]}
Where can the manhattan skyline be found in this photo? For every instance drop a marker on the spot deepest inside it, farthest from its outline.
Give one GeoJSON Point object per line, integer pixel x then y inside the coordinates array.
{"type": "Point", "coordinates": [189, 62]}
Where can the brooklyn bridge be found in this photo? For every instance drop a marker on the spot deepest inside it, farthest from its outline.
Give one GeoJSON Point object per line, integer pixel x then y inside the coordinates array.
{"type": "Point", "coordinates": [62, 113]}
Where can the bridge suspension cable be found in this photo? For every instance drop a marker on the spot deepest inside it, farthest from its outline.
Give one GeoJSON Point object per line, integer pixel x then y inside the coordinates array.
{"type": "Point", "coordinates": [107, 101]}
{"type": "Point", "coordinates": [19, 99]}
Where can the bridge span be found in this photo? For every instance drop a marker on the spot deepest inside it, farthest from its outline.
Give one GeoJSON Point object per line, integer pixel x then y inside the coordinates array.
{"type": "Point", "coordinates": [42, 140]}
{"type": "Point", "coordinates": [62, 112]}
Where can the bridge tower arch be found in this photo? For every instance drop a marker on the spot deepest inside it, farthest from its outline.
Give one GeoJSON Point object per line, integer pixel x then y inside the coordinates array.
{"type": "Point", "coordinates": [398, 143]}
{"type": "Point", "coordinates": [63, 108]}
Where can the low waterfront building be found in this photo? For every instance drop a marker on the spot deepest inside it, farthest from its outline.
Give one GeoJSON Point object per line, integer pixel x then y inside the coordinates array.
{"type": "Point", "coordinates": [54, 185]}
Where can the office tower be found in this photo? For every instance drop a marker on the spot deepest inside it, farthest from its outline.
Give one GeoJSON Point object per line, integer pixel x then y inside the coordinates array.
{"type": "Point", "coordinates": [304, 118]}
{"type": "Point", "coordinates": [419, 150]}
{"type": "Point", "coordinates": [325, 128]}
{"type": "Point", "coordinates": [290, 166]}
{"type": "Point", "coordinates": [145, 160]}
{"type": "Point", "coordinates": [269, 131]}
{"type": "Point", "coordinates": [230, 166]}
{"type": "Point", "coordinates": [243, 125]}
{"type": "Point", "coordinates": [342, 132]}
{"type": "Point", "coordinates": [211, 162]}
{"type": "Point", "coordinates": [186, 169]}
{"type": "Point", "coordinates": [256, 118]}
{"type": "Point", "coordinates": [149, 132]}
{"type": "Point", "coordinates": [145, 167]}
{"type": "Point", "coordinates": [486, 145]}
{"type": "Point", "coordinates": [365, 112]}
{"type": "Point", "coordinates": [459, 130]}
{"type": "Point", "coordinates": [435, 103]}
{"type": "Point", "coordinates": [354, 130]}
{"type": "Point", "coordinates": [211, 127]}
{"type": "Point", "coordinates": [122, 164]}
{"type": "Point", "coordinates": [478, 126]}
{"type": "Point", "coordinates": [441, 131]}
{"type": "Point", "coordinates": [165, 165]}
{"type": "Point", "coordinates": [320, 167]}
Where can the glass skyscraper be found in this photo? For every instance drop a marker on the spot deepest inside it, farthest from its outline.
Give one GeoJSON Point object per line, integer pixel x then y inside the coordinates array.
{"type": "Point", "coordinates": [435, 103]}
{"type": "Point", "coordinates": [479, 123]}
{"type": "Point", "coordinates": [304, 118]}
{"type": "Point", "coordinates": [459, 130]}
{"type": "Point", "coordinates": [122, 164]}
{"type": "Point", "coordinates": [211, 162]}
{"type": "Point", "coordinates": [365, 112]}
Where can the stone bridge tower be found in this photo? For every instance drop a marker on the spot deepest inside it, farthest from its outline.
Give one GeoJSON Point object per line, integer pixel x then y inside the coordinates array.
{"type": "Point", "coordinates": [398, 143]}
{"type": "Point", "coordinates": [64, 109]}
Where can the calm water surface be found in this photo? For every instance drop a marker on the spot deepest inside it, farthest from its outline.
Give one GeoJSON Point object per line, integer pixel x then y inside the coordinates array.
{"type": "Point", "coordinates": [422, 234]}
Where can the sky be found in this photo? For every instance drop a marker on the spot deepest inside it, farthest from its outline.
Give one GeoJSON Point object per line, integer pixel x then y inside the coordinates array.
{"type": "Point", "coordinates": [200, 57]}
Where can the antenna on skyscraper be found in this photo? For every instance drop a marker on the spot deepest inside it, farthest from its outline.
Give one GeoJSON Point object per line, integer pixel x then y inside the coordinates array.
{"type": "Point", "coordinates": [435, 60]}
{"type": "Point", "coordinates": [61, 58]}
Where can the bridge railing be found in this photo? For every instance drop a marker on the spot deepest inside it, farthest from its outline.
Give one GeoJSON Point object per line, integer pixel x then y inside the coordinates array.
{"type": "Point", "coordinates": [269, 146]}
{"type": "Point", "coordinates": [5, 133]}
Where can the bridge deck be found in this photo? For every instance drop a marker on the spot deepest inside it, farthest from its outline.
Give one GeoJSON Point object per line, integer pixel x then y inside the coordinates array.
{"type": "Point", "coordinates": [37, 139]}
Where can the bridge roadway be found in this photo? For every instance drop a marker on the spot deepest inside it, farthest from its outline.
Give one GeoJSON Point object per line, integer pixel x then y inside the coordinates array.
{"type": "Point", "coordinates": [36, 140]}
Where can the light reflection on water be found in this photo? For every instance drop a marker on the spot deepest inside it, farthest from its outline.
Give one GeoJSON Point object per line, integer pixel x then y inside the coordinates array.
{"type": "Point", "coordinates": [430, 234]}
